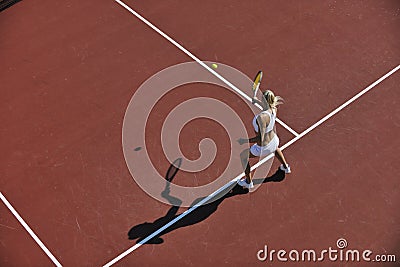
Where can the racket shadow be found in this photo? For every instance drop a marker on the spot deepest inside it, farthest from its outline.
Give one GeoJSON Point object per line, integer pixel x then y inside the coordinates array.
{"type": "Point", "coordinates": [143, 230]}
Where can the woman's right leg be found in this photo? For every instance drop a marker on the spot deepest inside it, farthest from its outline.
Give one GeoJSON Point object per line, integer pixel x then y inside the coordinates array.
{"type": "Point", "coordinates": [281, 158]}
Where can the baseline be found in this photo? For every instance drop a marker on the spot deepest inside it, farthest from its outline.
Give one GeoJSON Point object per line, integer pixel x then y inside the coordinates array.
{"type": "Point", "coordinates": [29, 230]}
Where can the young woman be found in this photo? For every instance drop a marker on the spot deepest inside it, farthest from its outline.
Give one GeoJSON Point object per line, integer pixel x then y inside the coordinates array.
{"type": "Point", "coordinates": [266, 140]}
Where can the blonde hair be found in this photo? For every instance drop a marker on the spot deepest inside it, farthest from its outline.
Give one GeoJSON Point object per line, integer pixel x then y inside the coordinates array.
{"type": "Point", "coordinates": [272, 100]}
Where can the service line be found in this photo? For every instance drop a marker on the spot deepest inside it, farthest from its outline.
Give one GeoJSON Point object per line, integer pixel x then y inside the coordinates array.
{"type": "Point", "coordinates": [187, 52]}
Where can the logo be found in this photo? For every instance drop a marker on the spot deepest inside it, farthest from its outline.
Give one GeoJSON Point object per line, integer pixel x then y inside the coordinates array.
{"type": "Point", "coordinates": [340, 253]}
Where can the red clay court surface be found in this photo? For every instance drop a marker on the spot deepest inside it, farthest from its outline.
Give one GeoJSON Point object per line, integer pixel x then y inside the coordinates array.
{"type": "Point", "coordinates": [69, 69]}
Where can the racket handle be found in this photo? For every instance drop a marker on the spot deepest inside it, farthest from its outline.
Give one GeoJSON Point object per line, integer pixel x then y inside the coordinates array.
{"type": "Point", "coordinates": [255, 91]}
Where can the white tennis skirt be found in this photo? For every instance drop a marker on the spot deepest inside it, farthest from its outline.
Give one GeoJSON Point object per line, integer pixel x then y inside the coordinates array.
{"type": "Point", "coordinates": [262, 151]}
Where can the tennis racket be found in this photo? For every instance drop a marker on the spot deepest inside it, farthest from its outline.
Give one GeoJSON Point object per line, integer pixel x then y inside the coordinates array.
{"type": "Point", "coordinates": [256, 83]}
{"type": "Point", "coordinates": [173, 169]}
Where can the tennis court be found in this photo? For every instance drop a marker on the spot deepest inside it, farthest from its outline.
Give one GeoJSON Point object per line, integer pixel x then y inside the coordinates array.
{"type": "Point", "coordinates": [70, 69]}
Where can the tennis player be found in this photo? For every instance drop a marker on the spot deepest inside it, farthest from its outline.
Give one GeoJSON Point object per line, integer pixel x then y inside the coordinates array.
{"type": "Point", "coordinates": [266, 140]}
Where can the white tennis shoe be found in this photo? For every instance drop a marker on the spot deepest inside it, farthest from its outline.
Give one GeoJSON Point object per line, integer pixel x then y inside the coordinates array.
{"type": "Point", "coordinates": [285, 169]}
{"type": "Point", "coordinates": [243, 183]}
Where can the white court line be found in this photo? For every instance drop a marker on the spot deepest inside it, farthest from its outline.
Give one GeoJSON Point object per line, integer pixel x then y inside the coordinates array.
{"type": "Point", "coordinates": [184, 50]}
{"type": "Point", "coordinates": [345, 104]}
{"type": "Point", "coordinates": [308, 130]}
{"type": "Point", "coordinates": [29, 230]}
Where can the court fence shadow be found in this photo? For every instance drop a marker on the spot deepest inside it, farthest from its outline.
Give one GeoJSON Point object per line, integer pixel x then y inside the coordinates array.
{"type": "Point", "coordinates": [143, 230]}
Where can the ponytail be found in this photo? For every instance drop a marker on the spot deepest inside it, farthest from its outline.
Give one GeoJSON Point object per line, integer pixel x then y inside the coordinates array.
{"type": "Point", "coordinates": [272, 100]}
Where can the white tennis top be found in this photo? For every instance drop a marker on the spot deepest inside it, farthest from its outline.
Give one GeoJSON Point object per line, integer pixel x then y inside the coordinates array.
{"type": "Point", "coordinates": [271, 124]}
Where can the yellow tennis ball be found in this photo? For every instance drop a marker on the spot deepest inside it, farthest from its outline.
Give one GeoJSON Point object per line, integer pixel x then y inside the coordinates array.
{"type": "Point", "coordinates": [214, 66]}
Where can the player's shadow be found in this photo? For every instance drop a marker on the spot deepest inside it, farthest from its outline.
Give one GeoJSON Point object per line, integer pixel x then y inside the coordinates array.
{"type": "Point", "coordinates": [142, 231]}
